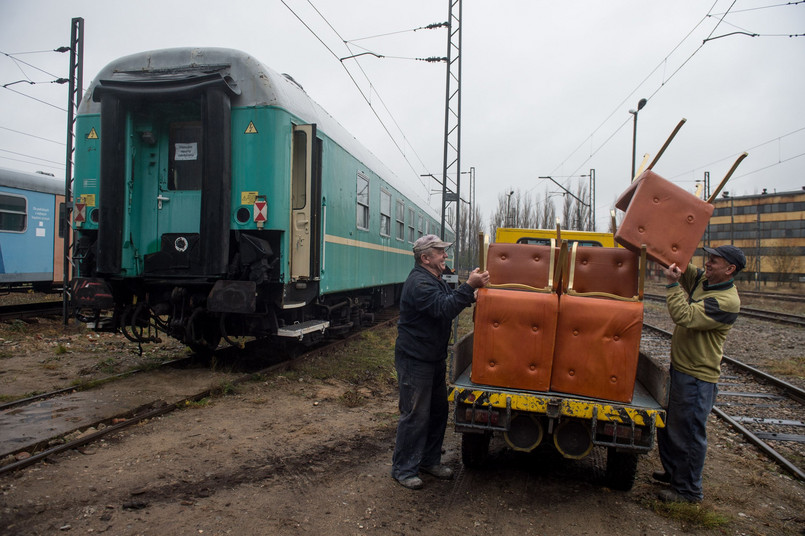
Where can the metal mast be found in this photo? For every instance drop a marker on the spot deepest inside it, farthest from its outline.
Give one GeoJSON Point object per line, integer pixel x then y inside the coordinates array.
{"type": "Point", "coordinates": [73, 100]}
{"type": "Point", "coordinates": [451, 172]}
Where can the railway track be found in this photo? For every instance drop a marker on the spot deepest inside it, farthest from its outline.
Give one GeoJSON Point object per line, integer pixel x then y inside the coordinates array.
{"type": "Point", "coordinates": [760, 314]}
{"type": "Point", "coordinates": [766, 410]}
{"type": "Point", "coordinates": [30, 310]}
{"type": "Point", "coordinates": [774, 316]}
{"type": "Point", "coordinates": [774, 296]}
{"type": "Point", "coordinates": [36, 425]}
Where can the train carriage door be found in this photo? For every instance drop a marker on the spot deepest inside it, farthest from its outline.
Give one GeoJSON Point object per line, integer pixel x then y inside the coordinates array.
{"type": "Point", "coordinates": [165, 172]}
{"type": "Point", "coordinates": [305, 238]}
{"type": "Point", "coordinates": [179, 197]}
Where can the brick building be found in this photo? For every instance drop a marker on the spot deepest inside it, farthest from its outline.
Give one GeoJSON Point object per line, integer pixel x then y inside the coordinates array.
{"type": "Point", "coordinates": [769, 228]}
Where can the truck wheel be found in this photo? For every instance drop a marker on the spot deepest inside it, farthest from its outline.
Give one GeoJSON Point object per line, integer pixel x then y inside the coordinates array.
{"type": "Point", "coordinates": [474, 449]}
{"type": "Point", "coordinates": [621, 469]}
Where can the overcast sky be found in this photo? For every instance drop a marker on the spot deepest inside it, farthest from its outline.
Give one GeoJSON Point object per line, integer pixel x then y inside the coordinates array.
{"type": "Point", "coordinates": [547, 86]}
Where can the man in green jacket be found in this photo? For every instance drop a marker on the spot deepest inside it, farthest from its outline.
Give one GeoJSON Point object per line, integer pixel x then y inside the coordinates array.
{"type": "Point", "coordinates": [704, 305]}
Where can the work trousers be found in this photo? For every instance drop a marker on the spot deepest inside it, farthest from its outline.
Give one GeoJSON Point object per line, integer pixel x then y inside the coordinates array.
{"type": "Point", "coordinates": [423, 415]}
{"type": "Point", "coordinates": [683, 441]}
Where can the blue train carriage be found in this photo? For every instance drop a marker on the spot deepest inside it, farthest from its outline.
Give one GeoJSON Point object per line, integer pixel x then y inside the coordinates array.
{"type": "Point", "coordinates": [216, 199]}
{"type": "Point", "coordinates": [31, 230]}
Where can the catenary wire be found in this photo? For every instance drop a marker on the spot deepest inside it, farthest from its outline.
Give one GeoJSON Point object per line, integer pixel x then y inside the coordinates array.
{"type": "Point", "coordinates": [360, 90]}
{"type": "Point", "coordinates": [372, 85]}
{"type": "Point", "coordinates": [32, 135]}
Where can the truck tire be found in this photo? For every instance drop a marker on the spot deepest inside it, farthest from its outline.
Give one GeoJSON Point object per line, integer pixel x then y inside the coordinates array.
{"type": "Point", "coordinates": [474, 449]}
{"type": "Point", "coordinates": [621, 469]}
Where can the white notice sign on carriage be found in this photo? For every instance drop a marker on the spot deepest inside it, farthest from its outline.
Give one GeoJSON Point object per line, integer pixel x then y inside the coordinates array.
{"type": "Point", "coordinates": [186, 151]}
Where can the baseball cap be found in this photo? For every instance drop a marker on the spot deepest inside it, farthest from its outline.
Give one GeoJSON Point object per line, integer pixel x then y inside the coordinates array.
{"type": "Point", "coordinates": [730, 253]}
{"type": "Point", "coordinates": [429, 241]}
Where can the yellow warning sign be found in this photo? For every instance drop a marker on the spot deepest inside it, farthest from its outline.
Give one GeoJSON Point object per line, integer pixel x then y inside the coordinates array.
{"type": "Point", "coordinates": [250, 129]}
{"type": "Point", "coordinates": [247, 198]}
{"type": "Point", "coordinates": [92, 134]}
{"type": "Point", "coordinates": [87, 199]}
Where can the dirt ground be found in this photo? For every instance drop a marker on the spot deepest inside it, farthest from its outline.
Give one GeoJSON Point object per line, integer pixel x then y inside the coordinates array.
{"type": "Point", "coordinates": [293, 455]}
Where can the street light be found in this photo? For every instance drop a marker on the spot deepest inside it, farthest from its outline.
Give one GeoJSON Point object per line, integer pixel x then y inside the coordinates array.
{"type": "Point", "coordinates": [508, 203]}
{"type": "Point", "coordinates": [640, 105]}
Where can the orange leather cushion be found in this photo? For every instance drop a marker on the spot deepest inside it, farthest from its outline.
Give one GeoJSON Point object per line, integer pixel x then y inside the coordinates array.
{"type": "Point", "coordinates": [664, 217]}
{"type": "Point", "coordinates": [526, 264]}
{"type": "Point", "coordinates": [610, 270]}
{"type": "Point", "coordinates": [596, 349]}
{"type": "Point", "coordinates": [513, 340]}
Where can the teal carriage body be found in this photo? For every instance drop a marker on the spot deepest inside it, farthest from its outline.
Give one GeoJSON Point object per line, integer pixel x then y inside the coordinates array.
{"type": "Point", "coordinates": [207, 186]}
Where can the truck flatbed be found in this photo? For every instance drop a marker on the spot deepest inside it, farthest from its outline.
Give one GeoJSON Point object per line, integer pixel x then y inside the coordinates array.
{"type": "Point", "coordinates": [574, 423]}
{"type": "Point", "coordinates": [642, 410]}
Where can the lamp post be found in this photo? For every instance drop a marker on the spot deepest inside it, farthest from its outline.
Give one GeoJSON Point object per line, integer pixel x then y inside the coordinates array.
{"type": "Point", "coordinates": [508, 203]}
{"type": "Point", "coordinates": [591, 197]}
{"type": "Point", "coordinates": [640, 106]}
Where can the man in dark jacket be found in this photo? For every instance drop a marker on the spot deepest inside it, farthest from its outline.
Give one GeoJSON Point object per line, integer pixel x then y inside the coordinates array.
{"type": "Point", "coordinates": [704, 306]}
{"type": "Point", "coordinates": [427, 308]}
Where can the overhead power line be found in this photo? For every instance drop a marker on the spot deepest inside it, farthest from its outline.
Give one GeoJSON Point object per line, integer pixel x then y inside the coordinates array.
{"type": "Point", "coordinates": [662, 85]}
{"type": "Point", "coordinates": [34, 98]}
{"type": "Point", "coordinates": [372, 87]}
{"type": "Point", "coordinates": [32, 135]}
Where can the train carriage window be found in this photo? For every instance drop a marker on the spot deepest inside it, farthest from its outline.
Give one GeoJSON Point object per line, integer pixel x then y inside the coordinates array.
{"type": "Point", "coordinates": [299, 178]}
{"type": "Point", "coordinates": [411, 237]}
{"type": "Point", "coordinates": [13, 213]}
{"type": "Point", "coordinates": [420, 227]}
{"type": "Point", "coordinates": [385, 213]}
{"type": "Point", "coordinates": [400, 220]}
{"type": "Point", "coordinates": [363, 202]}
{"type": "Point", "coordinates": [185, 167]}
{"type": "Point", "coordinates": [547, 242]}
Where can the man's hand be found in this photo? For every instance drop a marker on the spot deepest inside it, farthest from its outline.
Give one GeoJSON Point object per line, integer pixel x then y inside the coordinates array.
{"type": "Point", "coordinates": [673, 273]}
{"type": "Point", "coordinates": [478, 278]}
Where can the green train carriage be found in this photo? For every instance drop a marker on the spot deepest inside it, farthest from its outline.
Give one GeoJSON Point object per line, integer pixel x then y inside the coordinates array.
{"type": "Point", "coordinates": [214, 198]}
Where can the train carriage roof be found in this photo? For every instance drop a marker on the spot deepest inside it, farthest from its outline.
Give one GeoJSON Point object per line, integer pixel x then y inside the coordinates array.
{"type": "Point", "coordinates": [34, 182]}
{"type": "Point", "coordinates": [248, 82]}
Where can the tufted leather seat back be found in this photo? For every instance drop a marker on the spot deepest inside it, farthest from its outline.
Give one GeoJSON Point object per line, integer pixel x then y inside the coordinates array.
{"type": "Point", "coordinates": [514, 338]}
{"type": "Point", "coordinates": [529, 265]}
{"type": "Point", "coordinates": [597, 346]}
{"type": "Point", "coordinates": [664, 217]}
{"type": "Point", "coordinates": [602, 270]}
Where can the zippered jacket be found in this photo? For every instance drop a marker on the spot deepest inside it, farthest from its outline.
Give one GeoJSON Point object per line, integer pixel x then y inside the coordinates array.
{"type": "Point", "coordinates": [427, 308]}
{"type": "Point", "coordinates": [703, 315]}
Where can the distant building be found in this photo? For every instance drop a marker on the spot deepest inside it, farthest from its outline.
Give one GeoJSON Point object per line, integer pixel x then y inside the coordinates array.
{"type": "Point", "coordinates": [769, 228]}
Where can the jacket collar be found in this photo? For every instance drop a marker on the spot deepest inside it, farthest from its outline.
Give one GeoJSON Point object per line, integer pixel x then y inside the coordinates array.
{"type": "Point", "coordinates": [718, 286]}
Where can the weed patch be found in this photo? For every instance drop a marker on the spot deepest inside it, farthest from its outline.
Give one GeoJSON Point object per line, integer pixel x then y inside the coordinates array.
{"type": "Point", "coordinates": [690, 516]}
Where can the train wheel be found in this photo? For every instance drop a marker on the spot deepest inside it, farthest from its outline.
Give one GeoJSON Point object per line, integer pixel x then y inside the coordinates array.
{"type": "Point", "coordinates": [205, 335]}
{"type": "Point", "coordinates": [475, 449]}
{"type": "Point", "coordinates": [621, 469]}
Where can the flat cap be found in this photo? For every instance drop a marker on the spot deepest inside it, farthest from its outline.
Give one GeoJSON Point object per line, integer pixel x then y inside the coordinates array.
{"type": "Point", "coordinates": [429, 241]}
{"type": "Point", "coordinates": [730, 253]}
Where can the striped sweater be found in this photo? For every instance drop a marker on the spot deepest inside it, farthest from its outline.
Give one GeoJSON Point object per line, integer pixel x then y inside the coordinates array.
{"type": "Point", "coordinates": [703, 315]}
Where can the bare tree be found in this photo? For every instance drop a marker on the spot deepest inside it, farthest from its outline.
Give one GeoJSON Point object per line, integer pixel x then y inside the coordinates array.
{"type": "Point", "coordinates": [567, 209]}
{"type": "Point", "coordinates": [548, 220]}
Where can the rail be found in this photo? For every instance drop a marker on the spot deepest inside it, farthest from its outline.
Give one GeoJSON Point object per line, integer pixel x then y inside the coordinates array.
{"type": "Point", "coordinates": [763, 398]}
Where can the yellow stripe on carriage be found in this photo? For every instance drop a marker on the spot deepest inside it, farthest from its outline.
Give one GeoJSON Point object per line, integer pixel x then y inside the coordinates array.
{"type": "Point", "coordinates": [332, 239]}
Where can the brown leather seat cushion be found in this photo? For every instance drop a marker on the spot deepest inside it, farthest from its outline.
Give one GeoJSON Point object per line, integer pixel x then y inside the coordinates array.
{"type": "Point", "coordinates": [514, 337]}
{"type": "Point", "coordinates": [596, 348]}
{"type": "Point", "coordinates": [610, 270]}
{"type": "Point", "coordinates": [524, 264]}
{"type": "Point", "coordinates": [664, 217]}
